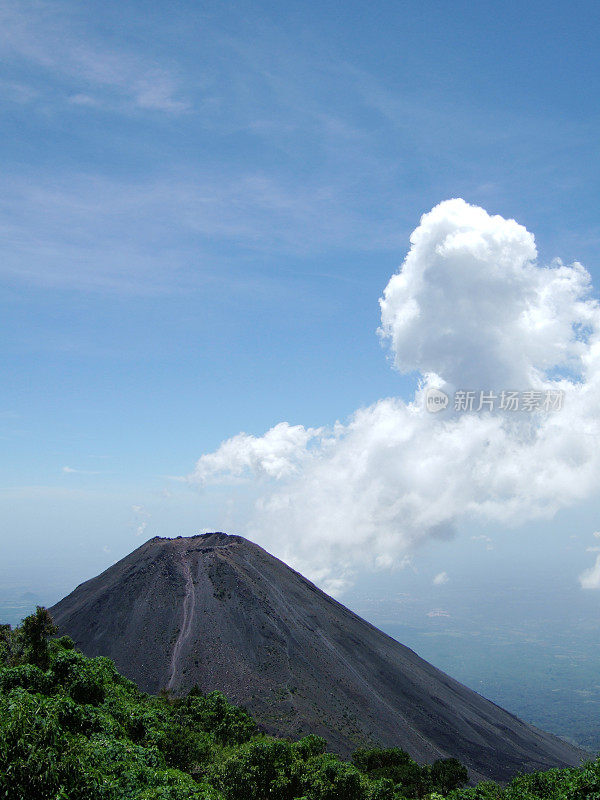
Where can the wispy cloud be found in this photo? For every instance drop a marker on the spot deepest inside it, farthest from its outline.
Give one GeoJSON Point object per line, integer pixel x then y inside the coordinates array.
{"type": "Point", "coordinates": [325, 154]}
{"type": "Point", "coordinates": [486, 540]}
{"type": "Point", "coordinates": [54, 40]}
{"type": "Point", "coordinates": [142, 519]}
{"type": "Point", "coordinates": [17, 92]}
{"type": "Point", "coordinates": [73, 471]}
{"type": "Point", "coordinates": [158, 234]}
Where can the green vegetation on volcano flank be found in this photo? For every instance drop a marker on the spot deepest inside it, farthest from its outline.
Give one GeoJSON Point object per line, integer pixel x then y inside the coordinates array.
{"type": "Point", "coordinates": [72, 728]}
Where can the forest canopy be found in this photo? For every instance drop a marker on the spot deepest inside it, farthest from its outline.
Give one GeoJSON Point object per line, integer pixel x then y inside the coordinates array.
{"type": "Point", "coordinates": [73, 727]}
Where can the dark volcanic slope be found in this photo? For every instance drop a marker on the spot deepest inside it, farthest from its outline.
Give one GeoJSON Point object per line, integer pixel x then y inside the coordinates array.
{"type": "Point", "coordinates": [220, 612]}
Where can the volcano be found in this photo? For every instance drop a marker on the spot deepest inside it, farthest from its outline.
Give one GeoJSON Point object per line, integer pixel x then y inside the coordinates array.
{"type": "Point", "coordinates": [219, 612]}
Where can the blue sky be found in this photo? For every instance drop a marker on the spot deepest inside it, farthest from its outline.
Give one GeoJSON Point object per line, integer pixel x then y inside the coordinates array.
{"type": "Point", "coordinates": [202, 204]}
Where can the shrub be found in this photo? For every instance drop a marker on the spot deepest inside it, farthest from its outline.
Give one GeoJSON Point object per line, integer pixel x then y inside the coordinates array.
{"type": "Point", "coordinates": [447, 774]}
{"type": "Point", "coordinates": [85, 679]}
{"type": "Point", "coordinates": [310, 746]}
{"type": "Point", "coordinates": [26, 676]}
{"type": "Point", "coordinates": [337, 780]}
{"type": "Point", "coordinates": [36, 630]}
{"type": "Point", "coordinates": [228, 724]}
{"type": "Point", "coordinates": [262, 769]}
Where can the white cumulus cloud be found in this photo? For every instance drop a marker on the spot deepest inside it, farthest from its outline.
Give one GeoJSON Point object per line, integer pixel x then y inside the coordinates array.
{"type": "Point", "coordinates": [277, 454]}
{"type": "Point", "coordinates": [590, 578]}
{"type": "Point", "coordinates": [440, 579]}
{"type": "Point", "coordinates": [470, 308]}
{"type": "Point", "coordinates": [471, 305]}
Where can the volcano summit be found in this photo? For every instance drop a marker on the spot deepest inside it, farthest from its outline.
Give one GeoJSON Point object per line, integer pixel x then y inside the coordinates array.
{"type": "Point", "coordinates": [219, 612]}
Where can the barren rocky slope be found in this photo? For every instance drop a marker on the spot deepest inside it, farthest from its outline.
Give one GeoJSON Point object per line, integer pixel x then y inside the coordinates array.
{"type": "Point", "coordinates": [220, 612]}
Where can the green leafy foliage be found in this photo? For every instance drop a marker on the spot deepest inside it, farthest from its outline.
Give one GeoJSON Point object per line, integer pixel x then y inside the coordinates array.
{"type": "Point", "coordinates": [72, 728]}
{"type": "Point", "coordinates": [447, 774]}
{"type": "Point", "coordinates": [36, 630]}
{"type": "Point", "coordinates": [228, 724]}
{"type": "Point", "coordinates": [396, 767]}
